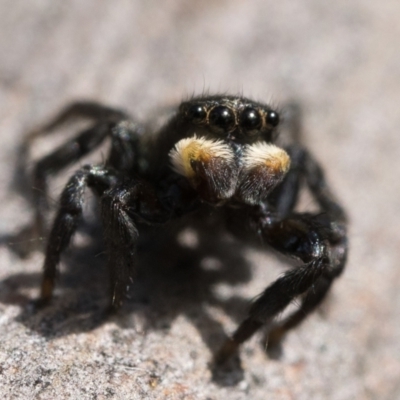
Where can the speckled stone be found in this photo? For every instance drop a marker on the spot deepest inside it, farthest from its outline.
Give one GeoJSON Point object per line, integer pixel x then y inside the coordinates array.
{"type": "Point", "coordinates": [342, 61]}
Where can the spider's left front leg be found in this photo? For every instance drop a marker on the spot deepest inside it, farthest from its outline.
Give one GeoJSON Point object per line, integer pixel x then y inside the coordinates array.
{"type": "Point", "coordinates": [319, 242]}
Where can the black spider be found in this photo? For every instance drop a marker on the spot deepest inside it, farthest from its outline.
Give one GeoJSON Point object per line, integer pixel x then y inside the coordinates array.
{"type": "Point", "coordinates": [215, 153]}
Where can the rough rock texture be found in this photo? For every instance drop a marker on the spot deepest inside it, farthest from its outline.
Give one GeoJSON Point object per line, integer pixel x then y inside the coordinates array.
{"type": "Point", "coordinates": [341, 59]}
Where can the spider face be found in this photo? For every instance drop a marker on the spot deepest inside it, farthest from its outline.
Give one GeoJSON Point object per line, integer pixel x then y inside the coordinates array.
{"type": "Point", "coordinates": [233, 118]}
{"type": "Point", "coordinates": [228, 154]}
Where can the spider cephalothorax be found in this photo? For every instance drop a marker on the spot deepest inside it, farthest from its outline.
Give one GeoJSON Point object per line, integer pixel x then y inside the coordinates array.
{"type": "Point", "coordinates": [214, 151]}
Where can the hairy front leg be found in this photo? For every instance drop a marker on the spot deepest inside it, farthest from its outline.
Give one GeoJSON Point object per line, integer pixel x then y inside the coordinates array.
{"type": "Point", "coordinates": [124, 208]}
{"type": "Point", "coordinates": [313, 239]}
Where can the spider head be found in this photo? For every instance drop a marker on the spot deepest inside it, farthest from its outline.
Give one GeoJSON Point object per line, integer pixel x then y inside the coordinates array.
{"type": "Point", "coordinates": [228, 152]}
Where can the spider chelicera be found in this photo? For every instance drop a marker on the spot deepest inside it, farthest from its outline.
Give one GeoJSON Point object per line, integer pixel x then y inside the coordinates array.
{"type": "Point", "coordinates": [214, 153]}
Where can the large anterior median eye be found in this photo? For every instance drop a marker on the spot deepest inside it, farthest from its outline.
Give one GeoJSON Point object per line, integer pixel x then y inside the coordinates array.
{"type": "Point", "coordinates": [222, 118]}
{"type": "Point", "coordinates": [250, 120]}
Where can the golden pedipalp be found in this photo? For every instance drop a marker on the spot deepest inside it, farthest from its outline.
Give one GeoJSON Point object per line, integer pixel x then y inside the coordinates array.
{"type": "Point", "coordinates": [195, 149]}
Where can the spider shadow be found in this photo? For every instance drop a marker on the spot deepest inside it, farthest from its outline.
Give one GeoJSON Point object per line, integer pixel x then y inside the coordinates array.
{"type": "Point", "coordinates": [173, 279]}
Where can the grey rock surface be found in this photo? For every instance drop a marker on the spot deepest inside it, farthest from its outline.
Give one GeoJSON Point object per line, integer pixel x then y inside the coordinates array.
{"type": "Point", "coordinates": [342, 61]}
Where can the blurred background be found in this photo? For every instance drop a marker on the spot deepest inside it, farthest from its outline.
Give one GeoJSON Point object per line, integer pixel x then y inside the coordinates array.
{"type": "Point", "coordinates": [341, 61]}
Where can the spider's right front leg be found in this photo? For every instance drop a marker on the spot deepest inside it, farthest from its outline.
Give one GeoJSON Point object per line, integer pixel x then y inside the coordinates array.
{"type": "Point", "coordinates": [122, 208]}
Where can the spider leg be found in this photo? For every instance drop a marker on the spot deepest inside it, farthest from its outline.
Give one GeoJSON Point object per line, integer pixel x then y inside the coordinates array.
{"type": "Point", "coordinates": [313, 239]}
{"type": "Point", "coordinates": [124, 138]}
{"type": "Point", "coordinates": [120, 235]}
{"type": "Point", "coordinates": [81, 109]}
{"type": "Point", "coordinates": [319, 240]}
{"type": "Point", "coordinates": [126, 206]}
{"type": "Point", "coordinates": [65, 155]}
{"type": "Point", "coordinates": [334, 222]}
{"type": "Point", "coordinates": [67, 218]}
{"type": "Point", "coordinates": [309, 303]}
{"type": "Point", "coordinates": [284, 197]}
{"type": "Point", "coordinates": [75, 148]}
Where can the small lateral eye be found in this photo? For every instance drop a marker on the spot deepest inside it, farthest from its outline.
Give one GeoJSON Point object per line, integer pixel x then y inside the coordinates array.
{"type": "Point", "coordinates": [222, 117]}
{"type": "Point", "coordinates": [196, 113]}
{"type": "Point", "coordinates": [250, 119]}
{"type": "Point", "coordinates": [272, 118]}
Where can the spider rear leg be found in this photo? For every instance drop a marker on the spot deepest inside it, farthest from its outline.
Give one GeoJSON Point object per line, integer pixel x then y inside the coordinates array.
{"type": "Point", "coordinates": [124, 138]}
{"type": "Point", "coordinates": [68, 153]}
{"type": "Point", "coordinates": [81, 109]}
{"type": "Point", "coordinates": [124, 134]}
{"type": "Point", "coordinates": [67, 218]}
{"type": "Point", "coordinates": [75, 148]}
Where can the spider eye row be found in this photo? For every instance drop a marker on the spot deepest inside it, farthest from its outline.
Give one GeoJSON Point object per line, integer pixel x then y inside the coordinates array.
{"type": "Point", "coordinates": [223, 118]}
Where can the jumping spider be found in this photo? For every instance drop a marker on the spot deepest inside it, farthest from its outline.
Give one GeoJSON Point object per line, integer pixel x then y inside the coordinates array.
{"type": "Point", "coordinates": [215, 152]}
